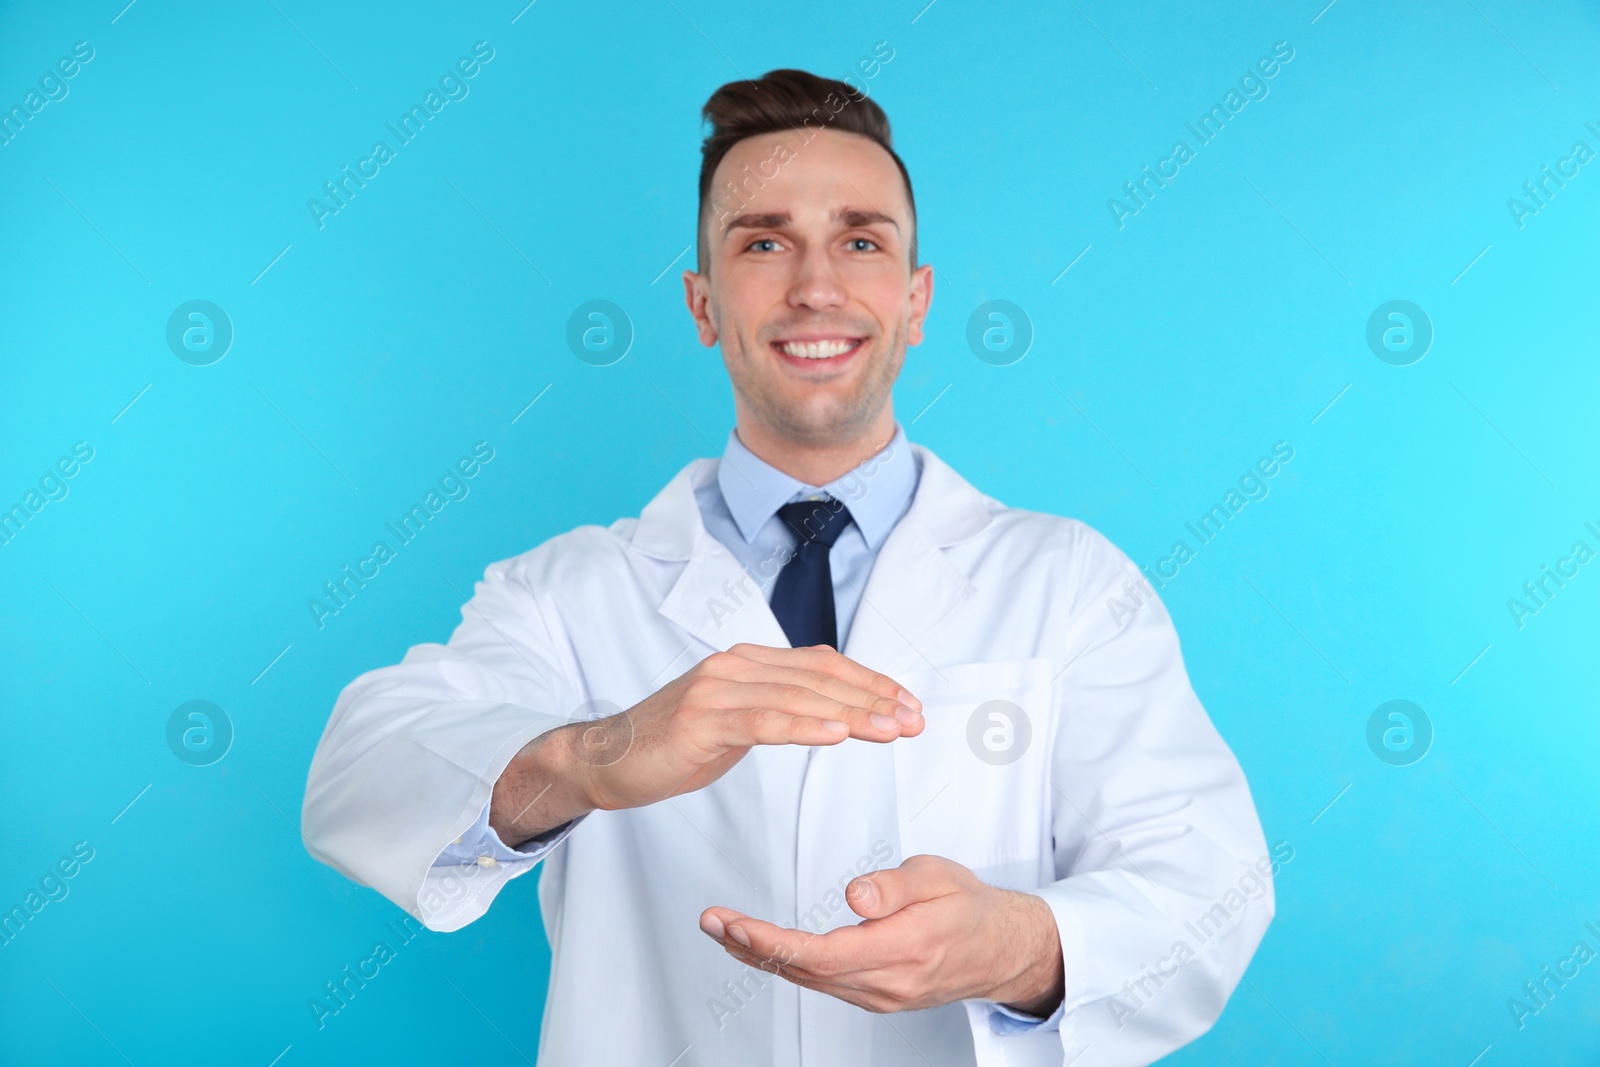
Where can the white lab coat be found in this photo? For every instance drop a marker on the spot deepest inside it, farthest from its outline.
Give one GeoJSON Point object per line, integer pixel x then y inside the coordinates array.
{"type": "Point", "coordinates": [1126, 811]}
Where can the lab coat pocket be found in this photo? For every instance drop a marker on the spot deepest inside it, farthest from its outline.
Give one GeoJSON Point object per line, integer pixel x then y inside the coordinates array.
{"type": "Point", "coordinates": [974, 785]}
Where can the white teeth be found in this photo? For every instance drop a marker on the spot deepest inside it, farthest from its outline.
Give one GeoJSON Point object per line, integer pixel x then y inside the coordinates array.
{"type": "Point", "coordinates": [816, 349]}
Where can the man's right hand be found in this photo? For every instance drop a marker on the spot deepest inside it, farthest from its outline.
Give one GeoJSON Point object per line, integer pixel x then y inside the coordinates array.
{"type": "Point", "coordinates": [688, 734]}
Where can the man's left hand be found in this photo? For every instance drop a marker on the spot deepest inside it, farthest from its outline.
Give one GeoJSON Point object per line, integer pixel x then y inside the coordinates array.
{"type": "Point", "coordinates": [933, 934]}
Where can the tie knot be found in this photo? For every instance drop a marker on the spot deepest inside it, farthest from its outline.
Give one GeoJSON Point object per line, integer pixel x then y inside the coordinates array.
{"type": "Point", "coordinates": [816, 521]}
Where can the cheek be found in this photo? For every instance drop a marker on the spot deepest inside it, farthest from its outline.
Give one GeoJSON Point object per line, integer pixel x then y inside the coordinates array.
{"type": "Point", "coordinates": [745, 300]}
{"type": "Point", "coordinates": [887, 300]}
{"type": "Point", "coordinates": [761, 305]}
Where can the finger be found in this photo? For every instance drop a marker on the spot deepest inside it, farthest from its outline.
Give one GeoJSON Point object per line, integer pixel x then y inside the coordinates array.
{"type": "Point", "coordinates": [847, 988]}
{"type": "Point", "coordinates": [847, 951]}
{"type": "Point", "coordinates": [847, 992]}
{"type": "Point", "coordinates": [793, 699]}
{"type": "Point", "coordinates": [831, 685]}
{"type": "Point", "coordinates": [830, 661]}
{"type": "Point", "coordinates": [768, 966]}
{"type": "Point", "coordinates": [865, 989]}
{"type": "Point", "coordinates": [861, 964]}
{"type": "Point", "coordinates": [731, 929]}
{"type": "Point", "coordinates": [840, 986]}
{"type": "Point", "coordinates": [882, 893]}
{"type": "Point", "coordinates": [770, 726]}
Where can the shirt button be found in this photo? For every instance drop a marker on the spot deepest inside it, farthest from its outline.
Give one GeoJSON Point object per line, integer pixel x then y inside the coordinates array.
{"type": "Point", "coordinates": [486, 861]}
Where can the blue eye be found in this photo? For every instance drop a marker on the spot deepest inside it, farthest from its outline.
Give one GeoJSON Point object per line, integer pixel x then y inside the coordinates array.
{"type": "Point", "coordinates": [763, 241]}
{"type": "Point", "coordinates": [863, 241]}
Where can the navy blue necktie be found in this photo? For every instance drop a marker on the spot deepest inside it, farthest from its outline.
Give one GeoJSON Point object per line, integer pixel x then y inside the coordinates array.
{"type": "Point", "coordinates": [803, 598]}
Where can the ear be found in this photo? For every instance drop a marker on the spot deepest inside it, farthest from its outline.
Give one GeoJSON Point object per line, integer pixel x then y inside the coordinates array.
{"type": "Point", "coordinates": [921, 298]}
{"type": "Point", "coordinates": [697, 295]}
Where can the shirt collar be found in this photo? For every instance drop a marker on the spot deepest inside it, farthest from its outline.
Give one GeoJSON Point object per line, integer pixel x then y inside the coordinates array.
{"type": "Point", "coordinates": [877, 492]}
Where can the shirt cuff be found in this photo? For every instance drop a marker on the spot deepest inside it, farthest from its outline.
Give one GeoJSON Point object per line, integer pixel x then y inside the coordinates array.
{"type": "Point", "coordinates": [1008, 1022]}
{"type": "Point", "coordinates": [480, 844]}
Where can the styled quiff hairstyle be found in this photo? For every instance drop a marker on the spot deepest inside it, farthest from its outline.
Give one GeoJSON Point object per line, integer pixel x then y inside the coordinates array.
{"type": "Point", "coordinates": [788, 100]}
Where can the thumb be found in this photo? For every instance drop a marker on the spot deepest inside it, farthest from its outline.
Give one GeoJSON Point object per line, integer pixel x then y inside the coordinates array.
{"type": "Point", "coordinates": [881, 893]}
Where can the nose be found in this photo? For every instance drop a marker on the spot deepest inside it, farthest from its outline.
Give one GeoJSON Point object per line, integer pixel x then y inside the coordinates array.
{"type": "Point", "coordinates": [816, 284]}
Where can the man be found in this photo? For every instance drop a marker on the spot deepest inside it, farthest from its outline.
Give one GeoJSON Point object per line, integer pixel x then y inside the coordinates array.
{"type": "Point", "coordinates": [910, 794]}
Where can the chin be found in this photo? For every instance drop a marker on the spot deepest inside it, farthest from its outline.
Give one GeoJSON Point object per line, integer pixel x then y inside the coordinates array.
{"type": "Point", "coordinates": [819, 420]}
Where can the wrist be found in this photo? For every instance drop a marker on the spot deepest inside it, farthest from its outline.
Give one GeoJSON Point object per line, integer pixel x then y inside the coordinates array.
{"type": "Point", "coordinates": [571, 762]}
{"type": "Point", "coordinates": [543, 786]}
{"type": "Point", "coordinates": [1035, 979]}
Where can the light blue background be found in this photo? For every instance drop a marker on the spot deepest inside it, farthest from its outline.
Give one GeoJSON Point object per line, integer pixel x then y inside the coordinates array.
{"type": "Point", "coordinates": [1224, 316]}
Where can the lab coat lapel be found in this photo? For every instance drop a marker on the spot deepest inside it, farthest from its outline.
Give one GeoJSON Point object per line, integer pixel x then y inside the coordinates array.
{"type": "Point", "coordinates": [914, 590]}
{"type": "Point", "coordinates": [713, 599]}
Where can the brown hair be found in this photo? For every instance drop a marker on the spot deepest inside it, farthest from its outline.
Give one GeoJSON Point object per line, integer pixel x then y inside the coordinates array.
{"type": "Point", "coordinates": [788, 100]}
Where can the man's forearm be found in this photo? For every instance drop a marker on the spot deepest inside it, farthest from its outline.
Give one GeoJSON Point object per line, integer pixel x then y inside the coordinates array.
{"type": "Point", "coordinates": [543, 786]}
{"type": "Point", "coordinates": [1040, 981]}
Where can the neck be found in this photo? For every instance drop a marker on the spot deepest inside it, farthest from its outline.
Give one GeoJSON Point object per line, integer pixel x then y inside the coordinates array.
{"type": "Point", "coordinates": [817, 463]}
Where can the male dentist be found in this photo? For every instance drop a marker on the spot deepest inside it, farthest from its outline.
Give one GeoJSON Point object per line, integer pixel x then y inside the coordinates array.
{"type": "Point", "coordinates": [829, 757]}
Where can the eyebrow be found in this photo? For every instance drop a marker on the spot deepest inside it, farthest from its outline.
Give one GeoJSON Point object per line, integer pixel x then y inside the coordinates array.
{"type": "Point", "coordinates": [775, 220]}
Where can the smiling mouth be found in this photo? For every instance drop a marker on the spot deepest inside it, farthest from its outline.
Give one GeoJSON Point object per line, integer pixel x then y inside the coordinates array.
{"type": "Point", "coordinates": [822, 353]}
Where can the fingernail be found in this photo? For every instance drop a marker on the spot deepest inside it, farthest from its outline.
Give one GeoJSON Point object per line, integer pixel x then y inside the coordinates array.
{"type": "Point", "coordinates": [713, 926]}
{"type": "Point", "coordinates": [908, 717]}
{"type": "Point", "coordinates": [836, 726]}
{"type": "Point", "coordinates": [909, 700]}
{"type": "Point", "coordinates": [866, 893]}
{"type": "Point", "coordinates": [883, 722]}
{"type": "Point", "coordinates": [738, 934]}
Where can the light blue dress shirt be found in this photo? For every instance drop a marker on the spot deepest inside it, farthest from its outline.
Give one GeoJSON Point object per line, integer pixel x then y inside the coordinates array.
{"type": "Point", "coordinates": [740, 509]}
